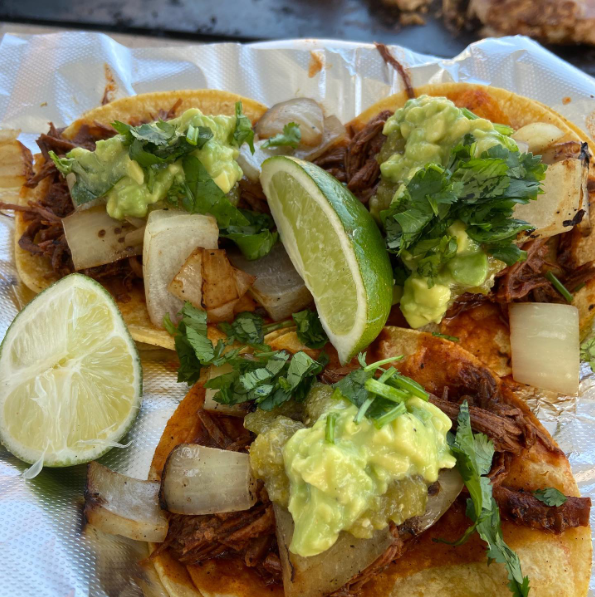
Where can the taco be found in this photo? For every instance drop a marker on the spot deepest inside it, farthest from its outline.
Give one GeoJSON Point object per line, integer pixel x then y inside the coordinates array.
{"type": "Point", "coordinates": [556, 242]}
{"type": "Point", "coordinates": [105, 184]}
{"type": "Point", "coordinates": [249, 551]}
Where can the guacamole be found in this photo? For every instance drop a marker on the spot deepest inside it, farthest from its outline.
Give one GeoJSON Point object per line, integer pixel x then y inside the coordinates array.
{"type": "Point", "coordinates": [367, 478]}
{"type": "Point", "coordinates": [110, 172]}
{"type": "Point", "coordinates": [423, 132]}
{"type": "Point", "coordinates": [470, 270]}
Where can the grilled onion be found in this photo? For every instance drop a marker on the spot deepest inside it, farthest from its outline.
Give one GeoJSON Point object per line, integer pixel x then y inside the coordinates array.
{"type": "Point", "coordinates": [251, 163]}
{"type": "Point", "coordinates": [538, 136]}
{"type": "Point", "coordinates": [121, 505]}
{"type": "Point", "coordinates": [170, 237]}
{"type": "Point", "coordinates": [278, 286]}
{"type": "Point", "coordinates": [450, 484]}
{"type": "Point", "coordinates": [544, 340]}
{"type": "Point", "coordinates": [320, 575]}
{"type": "Point", "coordinates": [334, 132]}
{"type": "Point", "coordinates": [200, 480]}
{"type": "Point", "coordinates": [302, 111]}
{"type": "Point", "coordinates": [96, 239]}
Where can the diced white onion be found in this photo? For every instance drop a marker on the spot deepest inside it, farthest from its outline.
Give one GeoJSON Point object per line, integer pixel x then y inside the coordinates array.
{"type": "Point", "coordinates": [278, 286]}
{"type": "Point", "coordinates": [327, 572]}
{"type": "Point", "coordinates": [121, 505]}
{"type": "Point", "coordinates": [545, 347]}
{"type": "Point", "coordinates": [235, 410]}
{"type": "Point", "coordinates": [200, 480]}
{"type": "Point", "coordinates": [334, 132]}
{"type": "Point", "coordinates": [538, 135]}
{"type": "Point", "coordinates": [170, 237]}
{"type": "Point", "coordinates": [564, 192]}
{"type": "Point", "coordinates": [303, 111]}
{"type": "Point", "coordinates": [96, 239]}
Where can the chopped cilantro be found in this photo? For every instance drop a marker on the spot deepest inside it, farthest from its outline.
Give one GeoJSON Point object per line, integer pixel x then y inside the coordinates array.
{"type": "Point", "coordinates": [474, 454]}
{"type": "Point", "coordinates": [243, 132]}
{"type": "Point", "coordinates": [193, 346]}
{"type": "Point", "coordinates": [268, 379]}
{"type": "Point", "coordinates": [479, 191]}
{"type": "Point", "coordinates": [291, 136]}
{"type": "Point", "coordinates": [329, 434]}
{"type": "Point", "coordinates": [255, 238]}
{"type": "Point", "coordinates": [588, 352]}
{"type": "Point", "coordinates": [559, 287]}
{"type": "Point", "coordinates": [247, 328]}
{"type": "Point", "coordinates": [379, 399]}
{"type": "Point", "coordinates": [550, 496]}
{"type": "Point", "coordinates": [309, 329]}
{"type": "Point", "coordinates": [446, 337]}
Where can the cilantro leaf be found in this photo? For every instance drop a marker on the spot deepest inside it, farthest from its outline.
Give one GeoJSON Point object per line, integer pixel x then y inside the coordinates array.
{"type": "Point", "coordinates": [446, 337]}
{"type": "Point", "coordinates": [256, 238]}
{"type": "Point", "coordinates": [193, 346]}
{"type": "Point", "coordinates": [202, 195]}
{"type": "Point", "coordinates": [481, 191]}
{"type": "Point", "coordinates": [87, 186]}
{"type": "Point", "coordinates": [247, 328]}
{"type": "Point", "coordinates": [474, 454]}
{"type": "Point", "coordinates": [309, 329]}
{"type": "Point", "coordinates": [290, 136]}
{"type": "Point", "coordinates": [243, 132]}
{"type": "Point", "coordinates": [588, 352]}
{"type": "Point", "coordinates": [550, 496]}
{"type": "Point", "coordinates": [268, 379]}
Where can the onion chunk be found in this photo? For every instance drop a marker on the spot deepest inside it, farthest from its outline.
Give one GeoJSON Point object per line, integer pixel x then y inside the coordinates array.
{"type": "Point", "coordinates": [302, 111]}
{"type": "Point", "coordinates": [121, 505]}
{"type": "Point", "coordinates": [278, 286]}
{"type": "Point", "coordinates": [200, 480]}
{"type": "Point", "coordinates": [170, 237]}
{"type": "Point", "coordinates": [96, 239]}
{"type": "Point", "coordinates": [545, 346]}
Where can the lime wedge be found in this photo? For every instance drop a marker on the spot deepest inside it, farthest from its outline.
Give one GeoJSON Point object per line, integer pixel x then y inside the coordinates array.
{"type": "Point", "coordinates": [335, 245]}
{"type": "Point", "coordinates": [70, 376]}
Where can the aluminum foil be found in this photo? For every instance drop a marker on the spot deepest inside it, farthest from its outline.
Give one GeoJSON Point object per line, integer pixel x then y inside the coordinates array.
{"type": "Point", "coordinates": [44, 548]}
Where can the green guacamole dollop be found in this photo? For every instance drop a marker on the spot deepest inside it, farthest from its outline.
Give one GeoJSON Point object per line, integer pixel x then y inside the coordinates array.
{"type": "Point", "coordinates": [424, 131]}
{"type": "Point", "coordinates": [131, 193]}
{"type": "Point", "coordinates": [367, 478]}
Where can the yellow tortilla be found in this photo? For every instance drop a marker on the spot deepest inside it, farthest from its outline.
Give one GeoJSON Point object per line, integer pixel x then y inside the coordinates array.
{"type": "Point", "coordinates": [557, 565]}
{"type": "Point", "coordinates": [36, 272]}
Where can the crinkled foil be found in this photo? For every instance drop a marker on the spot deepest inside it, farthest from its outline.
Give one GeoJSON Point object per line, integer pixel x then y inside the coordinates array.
{"type": "Point", "coordinates": [44, 548]}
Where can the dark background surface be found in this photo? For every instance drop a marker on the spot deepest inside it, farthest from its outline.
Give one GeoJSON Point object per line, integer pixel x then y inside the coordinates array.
{"type": "Point", "coordinates": [251, 20]}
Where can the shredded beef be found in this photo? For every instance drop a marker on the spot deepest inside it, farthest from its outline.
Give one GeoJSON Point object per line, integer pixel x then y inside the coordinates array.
{"type": "Point", "coordinates": [392, 61]}
{"type": "Point", "coordinates": [249, 535]}
{"type": "Point", "coordinates": [517, 281]}
{"type": "Point", "coordinates": [523, 508]}
{"type": "Point", "coordinates": [507, 433]}
{"type": "Point", "coordinates": [356, 164]}
{"type": "Point", "coordinates": [44, 235]}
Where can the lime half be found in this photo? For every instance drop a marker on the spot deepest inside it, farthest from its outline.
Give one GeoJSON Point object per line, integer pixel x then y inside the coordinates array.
{"type": "Point", "coordinates": [335, 246]}
{"type": "Point", "coordinates": [70, 376]}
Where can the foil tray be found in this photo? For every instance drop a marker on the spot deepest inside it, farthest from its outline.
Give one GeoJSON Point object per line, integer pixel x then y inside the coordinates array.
{"type": "Point", "coordinates": [45, 549]}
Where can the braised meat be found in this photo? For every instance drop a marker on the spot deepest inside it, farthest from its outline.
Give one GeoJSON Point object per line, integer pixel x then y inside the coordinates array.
{"type": "Point", "coordinates": [523, 508]}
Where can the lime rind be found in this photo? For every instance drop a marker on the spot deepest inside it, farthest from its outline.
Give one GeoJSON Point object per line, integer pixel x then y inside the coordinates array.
{"type": "Point", "coordinates": [361, 243]}
{"type": "Point", "coordinates": [115, 332]}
